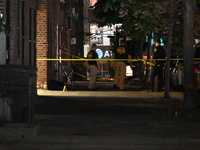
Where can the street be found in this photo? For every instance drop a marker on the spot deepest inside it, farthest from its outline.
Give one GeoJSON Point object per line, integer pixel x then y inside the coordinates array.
{"type": "Point", "coordinates": [88, 120]}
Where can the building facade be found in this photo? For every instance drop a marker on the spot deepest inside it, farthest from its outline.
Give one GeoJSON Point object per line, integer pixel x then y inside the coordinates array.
{"type": "Point", "coordinates": [39, 33]}
{"type": "Point", "coordinates": [18, 44]}
{"type": "Point", "coordinates": [60, 35]}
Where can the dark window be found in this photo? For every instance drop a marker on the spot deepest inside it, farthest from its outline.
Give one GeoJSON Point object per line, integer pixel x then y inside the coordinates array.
{"type": "Point", "coordinates": [35, 33]}
{"type": "Point", "coordinates": [22, 18]}
{"type": "Point", "coordinates": [23, 25]}
{"type": "Point", "coordinates": [8, 16]}
{"type": "Point", "coordinates": [18, 34]}
{"type": "Point", "coordinates": [30, 23]}
{"type": "Point", "coordinates": [8, 31]}
{"type": "Point", "coordinates": [30, 36]}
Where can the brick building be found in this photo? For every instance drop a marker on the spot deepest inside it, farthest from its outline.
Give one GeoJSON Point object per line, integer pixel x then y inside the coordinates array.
{"type": "Point", "coordinates": [60, 34]}
{"type": "Point", "coordinates": [18, 44]}
{"type": "Point", "coordinates": [37, 30]}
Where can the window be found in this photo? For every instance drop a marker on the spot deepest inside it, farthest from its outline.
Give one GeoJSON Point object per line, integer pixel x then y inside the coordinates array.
{"type": "Point", "coordinates": [30, 36]}
{"type": "Point", "coordinates": [23, 29]}
{"type": "Point", "coordinates": [8, 32]}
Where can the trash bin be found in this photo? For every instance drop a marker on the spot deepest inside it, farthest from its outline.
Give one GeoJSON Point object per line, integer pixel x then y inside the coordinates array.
{"type": "Point", "coordinates": [19, 84]}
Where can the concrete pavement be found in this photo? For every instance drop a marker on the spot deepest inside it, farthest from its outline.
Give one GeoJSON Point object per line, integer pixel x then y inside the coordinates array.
{"type": "Point", "coordinates": [119, 94]}
{"type": "Point", "coordinates": [108, 120]}
{"type": "Point", "coordinates": [104, 89]}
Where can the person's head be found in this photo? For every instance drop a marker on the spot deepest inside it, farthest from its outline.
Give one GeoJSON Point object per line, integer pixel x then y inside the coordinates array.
{"type": "Point", "coordinates": [157, 42]}
{"type": "Point", "coordinates": [122, 42]}
{"type": "Point", "coordinates": [94, 46]}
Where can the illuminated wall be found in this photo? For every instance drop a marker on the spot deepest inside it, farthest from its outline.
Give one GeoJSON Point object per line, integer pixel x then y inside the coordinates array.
{"type": "Point", "coordinates": [92, 2]}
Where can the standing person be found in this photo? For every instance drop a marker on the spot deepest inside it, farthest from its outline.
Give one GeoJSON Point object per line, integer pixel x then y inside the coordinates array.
{"type": "Point", "coordinates": [93, 67]}
{"type": "Point", "coordinates": [120, 66]}
{"type": "Point", "coordinates": [159, 53]}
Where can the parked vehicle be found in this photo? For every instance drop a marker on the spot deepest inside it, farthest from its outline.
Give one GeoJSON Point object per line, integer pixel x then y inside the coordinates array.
{"type": "Point", "coordinates": [176, 77]}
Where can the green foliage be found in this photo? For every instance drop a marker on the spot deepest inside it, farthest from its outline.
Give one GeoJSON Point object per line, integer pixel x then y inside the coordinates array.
{"type": "Point", "coordinates": [144, 17]}
{"type": "Point", "coordinates": [197, 21]}
{"type": "Point", "coordinates": [107, 11]}
{"type": "Point", "coordinates": [115, 40]}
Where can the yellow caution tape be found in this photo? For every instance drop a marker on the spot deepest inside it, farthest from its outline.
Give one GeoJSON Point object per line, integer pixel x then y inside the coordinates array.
{"type": "Point", "coordinates": [101, 60]}
{"type": "Point", "coordinates": [84, 59]}
{"type": "Point", "coordinates": [81, 75]}
{"type": "Point", "coordinates": [147, 61]}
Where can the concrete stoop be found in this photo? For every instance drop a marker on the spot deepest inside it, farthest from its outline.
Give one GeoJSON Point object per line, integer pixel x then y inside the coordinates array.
{"type": "Point", "coordinates": [18, 130]}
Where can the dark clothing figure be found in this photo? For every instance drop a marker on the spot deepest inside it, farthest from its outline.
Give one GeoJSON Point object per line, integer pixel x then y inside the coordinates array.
{"type": "Point", "coordinates": [120, 66]}
{"type": "Point", "coordinates": [121, 53]}
{"type": "Point", "coordinates": [94, 67]}
{"type": "Point", "coordinates": [159, 53]}
{"type": "Point", "coordinates": [92, 55]}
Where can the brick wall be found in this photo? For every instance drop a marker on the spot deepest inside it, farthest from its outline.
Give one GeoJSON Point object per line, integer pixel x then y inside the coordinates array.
{"type": "Point", "coordinates": [42, 43]}
{"type": "Point", "coordinates": [20, 38]}
{"type": "Point", "coordinates": [53, 38]}
{"type": "Point", "coordinates": [2, 37]}
{"type": "Point", "coordinates": [48, 40]}
{"type": "Point", "coordinates": [38, 29]}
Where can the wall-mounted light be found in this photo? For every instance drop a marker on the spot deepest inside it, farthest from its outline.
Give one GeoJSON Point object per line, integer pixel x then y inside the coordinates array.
{"type": "Point", "coordinates": [1, 15]}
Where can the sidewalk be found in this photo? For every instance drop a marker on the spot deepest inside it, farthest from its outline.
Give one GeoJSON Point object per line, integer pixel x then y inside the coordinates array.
{"type": "Point", "coordinates": [119, 94]}
{"type": "Point", "coordinates": [108, 120]}
{"type": "Point", "coordinates": [104, 89]}
{"type": "Point", "coordinates": [134, 95]}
